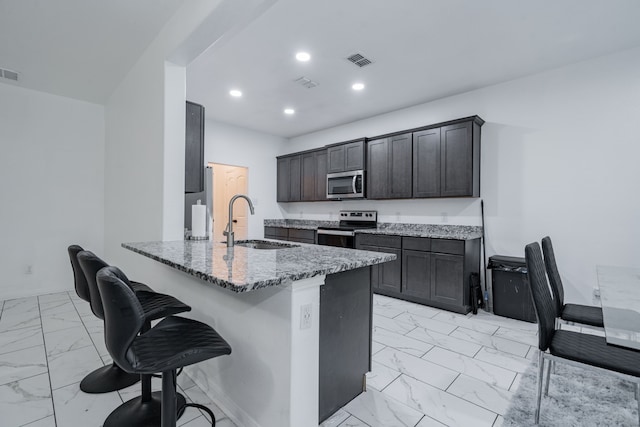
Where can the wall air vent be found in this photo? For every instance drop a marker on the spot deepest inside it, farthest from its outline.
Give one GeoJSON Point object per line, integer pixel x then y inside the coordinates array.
{"type": "Point", "coordinates": [8, 74]}
{"type": "Point", "coordinates": [359, 60]}
{"type": "Point", "coordinates": [306, 82]}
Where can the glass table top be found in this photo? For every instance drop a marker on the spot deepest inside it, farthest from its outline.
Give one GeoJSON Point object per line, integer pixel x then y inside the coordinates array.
{"type": "Point", "coordinates": [620, 298]}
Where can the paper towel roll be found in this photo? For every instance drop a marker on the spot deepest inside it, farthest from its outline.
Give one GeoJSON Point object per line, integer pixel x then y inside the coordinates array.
{"type": "Point", "coordinates": [198, 220]}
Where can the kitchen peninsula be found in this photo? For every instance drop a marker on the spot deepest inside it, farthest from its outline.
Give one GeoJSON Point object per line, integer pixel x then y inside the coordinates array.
{"type": "Point", "coordinates": [297, 317]}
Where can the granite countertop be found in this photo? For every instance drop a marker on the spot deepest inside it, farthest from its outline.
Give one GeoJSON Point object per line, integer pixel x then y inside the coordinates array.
{"type": "Point", "coordinates": [436, 231]}
{"type": "Point", "coordinates": [242, 269]}
{"type": "Point", "coordinates": [304, 224]}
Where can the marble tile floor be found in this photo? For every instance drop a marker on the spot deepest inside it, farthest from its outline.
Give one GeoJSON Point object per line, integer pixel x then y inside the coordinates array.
{"type": "Point", "coordinates": [430, 367]}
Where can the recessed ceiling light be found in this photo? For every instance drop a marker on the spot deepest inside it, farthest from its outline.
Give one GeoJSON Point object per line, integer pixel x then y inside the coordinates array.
{"type": "Point", "coordinates": [235, 93]}
{"type": "Point", "coordinates": [357, 86]}
{"type": "Point", "coordinates": [303, 56]}
{"type": "Point", "coordinates": [289, 111]}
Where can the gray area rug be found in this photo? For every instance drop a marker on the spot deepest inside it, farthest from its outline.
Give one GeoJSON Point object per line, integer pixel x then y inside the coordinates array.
{"type": "Point", "coordinates": [577, 397]}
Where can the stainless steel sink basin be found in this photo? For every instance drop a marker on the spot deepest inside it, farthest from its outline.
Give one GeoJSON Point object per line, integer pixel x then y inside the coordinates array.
{"type": "Point", "coordinates": [263, 244]}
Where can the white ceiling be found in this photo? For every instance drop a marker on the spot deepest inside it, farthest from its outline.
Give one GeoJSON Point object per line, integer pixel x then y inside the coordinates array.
{"type": "Point", "coordinates": [423, 50]}
{"type": "Point", "coordinates": [77, 48]}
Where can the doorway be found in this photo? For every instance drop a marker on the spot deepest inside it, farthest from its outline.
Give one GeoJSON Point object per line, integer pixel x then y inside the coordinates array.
{"type": "Point", "coordinates": [229, 180]}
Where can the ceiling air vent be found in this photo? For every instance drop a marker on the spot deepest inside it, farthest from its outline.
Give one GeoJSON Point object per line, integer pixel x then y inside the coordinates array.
{"type": "Point", "coordinates": [359, 60]}
{"type": "Point", "coordinates": [306, 82]}
{"type": "Point", "coordinates": [8, 74]}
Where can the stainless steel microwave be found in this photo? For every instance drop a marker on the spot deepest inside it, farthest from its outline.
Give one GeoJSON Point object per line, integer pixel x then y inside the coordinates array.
{"type": "Point", "coordinates": [345, 185]}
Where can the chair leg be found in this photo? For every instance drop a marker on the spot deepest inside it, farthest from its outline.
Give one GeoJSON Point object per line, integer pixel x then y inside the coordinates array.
{"type": "Point", "coordinates": [638, 399]}
{"type": "Point", "coordinates": [169, 399]}
{"type": "Point", "coordinates": [549, 368]}
{"type": "Point", "coordinates": [540, 380]}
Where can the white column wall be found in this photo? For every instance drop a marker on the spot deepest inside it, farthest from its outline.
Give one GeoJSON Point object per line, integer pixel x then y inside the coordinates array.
{"type": "Point", "coordinates": [559, 158]}
{"type": "Point", "coordinates": [52, 192]}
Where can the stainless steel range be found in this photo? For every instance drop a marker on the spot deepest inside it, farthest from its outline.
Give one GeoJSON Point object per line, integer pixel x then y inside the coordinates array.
{"type": "Point", "coordinates": [343, 235]}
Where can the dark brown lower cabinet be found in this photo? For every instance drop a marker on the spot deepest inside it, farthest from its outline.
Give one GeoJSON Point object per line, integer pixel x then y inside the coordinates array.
{"type": "Point", "coordinates": [299, 235]}
{"type": "Point", "coordinates": [384, 277]}
{"type": "Point", "coordinates": [429, 271]}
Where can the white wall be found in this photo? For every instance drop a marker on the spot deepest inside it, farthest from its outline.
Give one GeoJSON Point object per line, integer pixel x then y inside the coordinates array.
{"type": "Point", "coordinates": [257, 151]}
{"type": "Point", "coordinates": [560, 157]}
{"type": "Point", "coordinates": [52, 172]}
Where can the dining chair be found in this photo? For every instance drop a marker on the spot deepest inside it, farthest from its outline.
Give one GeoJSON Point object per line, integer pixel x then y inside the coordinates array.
{"type": "Point", "coordinates": [576, 313]}
{"type": "Point", "coordinates": [573, 348]}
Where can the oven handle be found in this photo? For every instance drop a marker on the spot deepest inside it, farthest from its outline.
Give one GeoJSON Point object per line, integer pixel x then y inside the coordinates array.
{"type": "Point", "coordinates": [336, 232]}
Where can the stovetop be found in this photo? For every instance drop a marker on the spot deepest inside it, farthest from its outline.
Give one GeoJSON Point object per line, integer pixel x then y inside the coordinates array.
{"type": "Point", "coordinates": [355, 220]}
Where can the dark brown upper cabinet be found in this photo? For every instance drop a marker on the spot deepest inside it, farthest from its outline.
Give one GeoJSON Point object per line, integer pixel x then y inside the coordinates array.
{"type": "Point", "coordinates": [289, 178]}
{"type": "Point", "coordinates": [314, 176]}
{"type": "Point", "coordinates": [347, 156]}
{"type": "Point", "coordinates": [302, 176]}
{"type": "Point", "coordinates": [426, 163]}
{"type": "Point", "coordinates": [446, 159]}
{"type": "Point", "coordinates": [194, 149]}
{"type": "Point", "coordinates": [389, 163]}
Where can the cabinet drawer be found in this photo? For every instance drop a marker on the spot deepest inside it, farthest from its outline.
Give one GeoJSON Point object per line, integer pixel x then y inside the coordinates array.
{"type": "Point", "coordinates": [276, 233]}
{"type": "Point", "coordinates": [445, 246]}
{"type": "Point", "coordinates": [379, 240]}
{"type": "Point", "coordinates": [416, 243]}
{"type": "Point", "coordinates": [302, 235]}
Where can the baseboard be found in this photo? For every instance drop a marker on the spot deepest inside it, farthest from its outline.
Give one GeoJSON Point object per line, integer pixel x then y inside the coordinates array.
{"type": "Point", "coordinates": [238, 415]}
{"type": "Point", "coordinates": [26, 293]}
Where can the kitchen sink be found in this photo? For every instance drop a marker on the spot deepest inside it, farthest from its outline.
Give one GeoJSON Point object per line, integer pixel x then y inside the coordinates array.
{"type": "Point", "coordinates": [264, 244]}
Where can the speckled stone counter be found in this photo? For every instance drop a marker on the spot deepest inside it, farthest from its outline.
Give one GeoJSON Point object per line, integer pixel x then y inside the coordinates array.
{"type": "Point", "coordinates": [303, 224]}
{"type": "Point", "coordinates": [437, 231]}
{"type": "Point", "coordinates": [242, 269]}
{"type": "Point", "coordinates": [457, 232]}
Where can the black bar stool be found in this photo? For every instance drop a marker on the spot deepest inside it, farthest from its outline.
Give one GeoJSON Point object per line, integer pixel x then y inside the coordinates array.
{"type": "Point", "coordinates": [173, 343]}
{"type": "Point", "coordinates": [107, 378]}
{"type": "Point", "coordinates": [145, 409]}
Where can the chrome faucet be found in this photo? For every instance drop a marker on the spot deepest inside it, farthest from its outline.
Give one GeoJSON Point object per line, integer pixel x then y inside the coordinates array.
{"type": "Point", "coordinates": [229, 230]}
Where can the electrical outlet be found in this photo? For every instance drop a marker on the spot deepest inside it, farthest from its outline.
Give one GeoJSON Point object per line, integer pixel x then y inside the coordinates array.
{"type": "Point", "coordinates": [596, 296]}
{"type": "Point", "coordinates": [305, 316]}
{"type": "Point", "coordinates": [28, 269]}
{"type": "Point", "coordinates": [445, 217]}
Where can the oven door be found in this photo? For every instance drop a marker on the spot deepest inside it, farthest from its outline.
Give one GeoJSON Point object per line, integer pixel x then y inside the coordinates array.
{"type": "Point", "coordinates": [338, 238]}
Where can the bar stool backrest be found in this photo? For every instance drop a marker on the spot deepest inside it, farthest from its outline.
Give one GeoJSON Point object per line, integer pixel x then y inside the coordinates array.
{"type": "Point", "coordinates": [90, 264]}
{"type": "Point", "coordinates": [123, 316]}
{"type": "Point", "coordinates": [80, 282]}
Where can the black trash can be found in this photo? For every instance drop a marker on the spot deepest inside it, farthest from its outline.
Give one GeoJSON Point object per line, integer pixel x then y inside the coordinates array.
{"type": "Point", "coordinates": [511, 294]}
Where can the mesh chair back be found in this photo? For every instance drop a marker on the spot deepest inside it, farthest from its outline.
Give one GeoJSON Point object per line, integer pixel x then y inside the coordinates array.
{"type": "Point", "coordinates": [542, 300]}
{"type": "Point", "coordinates": [91, 264]}
{"type": "Point", "coordinates": [80, 282]}
{"type": "Point", "coordinates": [552, 272]}
{"type": "Point", "coordinates": [123, 316]}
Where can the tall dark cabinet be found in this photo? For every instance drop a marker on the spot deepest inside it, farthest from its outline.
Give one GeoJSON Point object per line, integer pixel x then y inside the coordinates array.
{"type": "Point", "coordinates": [194, 149]}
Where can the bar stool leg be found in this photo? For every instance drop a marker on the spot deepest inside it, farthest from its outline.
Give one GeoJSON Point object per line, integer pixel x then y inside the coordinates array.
{"type": "Point", "coordinates": [169, 399]}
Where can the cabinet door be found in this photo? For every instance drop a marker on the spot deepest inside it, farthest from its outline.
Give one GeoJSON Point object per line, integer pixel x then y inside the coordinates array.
{"type": "Point", "coordinates": [375, 273]}
{"type": "Point", "coordinates": [390, 273]}
{"type": "Point", "coordinates": [426, 163]}
{"type": "Point", "coordinates": [377, 169]}
{"type": "Point", "coordinates": [336, 159]}
{"type": "Point", "coordinates": [400, 163]}
{"type": "Point", "coordinates": [416, 274]}
{"type": "Point", "coordinates": [283, 180]}
{"type": "Point", "coordinates": [447, 279]}
{"type": "Point", "coordinates": [354, 156]}
{"type": "Point", "coordinates": [321, 175]}
{"type": "Point", "coordinates": [194, 149]}
{"type": "Point", "coordinates": [295, 178]}
{"type": "Point", "coordinates": [308, 177]}
{"type": "Point", "coordinates": [456, 160]}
